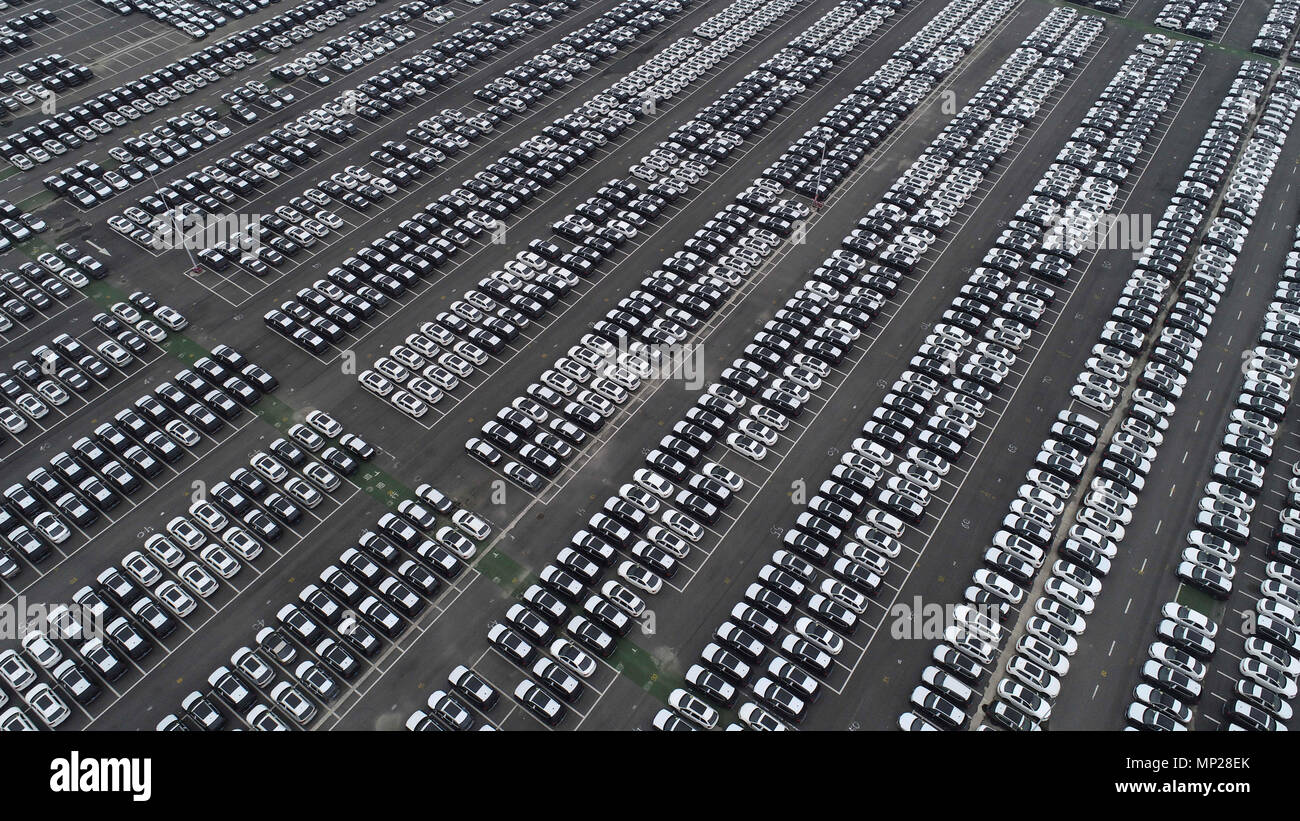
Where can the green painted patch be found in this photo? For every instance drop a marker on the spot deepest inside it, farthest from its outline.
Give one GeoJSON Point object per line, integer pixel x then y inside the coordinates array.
{"type": "Point", "coordinates": [38, 201]}
{"type": "Point", "coordinates": [637, 665]}
{"type": "Point", "coordinates": [504, 571]}
{"type": "Point", "coordinates": [1200, 601]}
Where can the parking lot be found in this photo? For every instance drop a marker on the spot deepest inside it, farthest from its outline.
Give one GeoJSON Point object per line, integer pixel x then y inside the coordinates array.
{"type": "Point", "coordinates": [678, 362]}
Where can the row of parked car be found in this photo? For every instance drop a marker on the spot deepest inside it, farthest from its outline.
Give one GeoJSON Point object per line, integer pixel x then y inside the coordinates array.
{"type": "Point", "coordinates": [710, 138]}
{"type": "Point", "coordinates": [606, 367]}
{"type": "Point", "coordinates": [17, 225]}
{"type": "Point", "coordinates": [392, 89]}
{"type": "Point", "coordinates": [431, 143]}
{"type": "Point", "coordinates": [99, 471]}
{"type": "Point", "coordinates": [1270, 664]}
{"type": "Point", "coordinates": [194, 17]}
{"type": "Point", "coordinates": [15, 33]}
{"type": "Point", "coordinates": [231, 524]}
{"type": "Point", "coordinates": [680, 74]}
{"type": "Point", "coordinates": [1275, 32]}
{"type": "Point", "coordinates": [296, 25]}
{"type": "Point", "coordinates": [446, 58]}
{"type": "Point", "coordinates": [1199, 18]}
{"type": "Point", "coordinates": [842, 595]}
{"type": "Point", "coordinates": [1247, 444]}
{"type": "Point", "coordinates": [600, 373]}
{"type": "Point", "coordinates": [64, 367]}
{"type": "Point", "coordinates": [1093, 541]}
{"type": "Point", "coordinates": [36, 290]}
{"type": "Point", "coordinates": [256, 163]}
{"type": "Point", "coordinates": [1267, 673]}
{"type": "Point", "coordinates": [1129, 454]}
{"type": "Point", "coordinates": [369, 596]}
{"type": "Point", "coordinates": [523, 291]}
{"type": "Point", "coordinates": [87, 183]}
{"type": "Point", "coordinates": [37, 81]}
{"type": "Point", "coordinates": [826, 155]}
{"type": "Point", "coordinates": [713, 133]}
{"type": "Point", "coordinates": [1108, 6]}
{"type": "Point", "coordinates": [86, 122]}
{"type": "Point", "coordinates": [39, 515]}
{"type": "Point", "coordinates": [1044, 491]}
{"type": "Point", "coordinates": [1115, 491]}
{"type": "Point", "coordinates": [1019, 548]}
{"type": "Point", "coordinates": [362, 44]}
{"type": "Point", "coordinates": [1143, 298]}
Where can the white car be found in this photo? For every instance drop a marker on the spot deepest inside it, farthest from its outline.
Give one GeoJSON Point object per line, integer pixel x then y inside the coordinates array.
{"type": "Point", "coordinates": [293, 702]}
{"type": "Point", "coordinates": [375, 383]}
{"type": "Point", "coordinates": [719, 473]}
{"type": "Point", "coordinates": [627, 601]}
{"type": "Point", "coordinates": [758, 431]}
{"type": "Point", "coordinates": [324, 423]}
{"type": "Point", "coordinates": [151, 331]}
{"type": "Point", "coordinates": [16, 671]}
{"type": "Point", "coordinates": [175, 599]}
{"type": "Point", "coordinates": [164, 550]}
{"type": "Point", "coordinates": [819, 635]}
{"type": "Point", "coordinates": [573, 657]}
{"type": "Point", "coordinates": [187, 532]}
{"type": "Point", "coordinates": [324, 478]}
{"type": "Point", "coordinates": [52, 527]}
{"type": "Point", "coordinates": [171, 317]}
{"type": "Point", "coordinates": [653, 482]}
{"type": "Point", "coordinates": [472, 524]}
{"type": "Point", "coordinates": [40, 648]}
{"type": "Point", "coordinates": [126, 312]}
{"type": "Point", "coordinates": [48, 705]}
{"type": "Point", "coordinates": [640, 577]}
{"type": "Point", "coordinates": [138, 566]}
{"type": "Point", "coordinates": [747, 446]}
{"type": "Point", "coordinates": [684, 525]}
{"type": "Point", "coordinates": [11, 421]}
{"type": "Point", "coordinates": [268, 466]}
